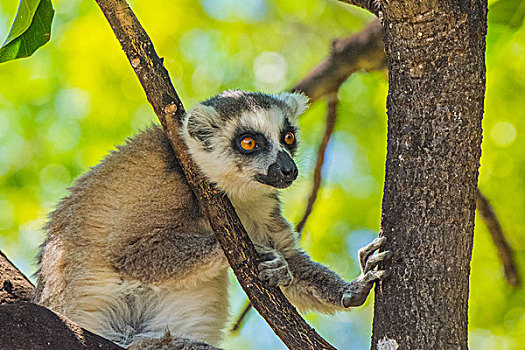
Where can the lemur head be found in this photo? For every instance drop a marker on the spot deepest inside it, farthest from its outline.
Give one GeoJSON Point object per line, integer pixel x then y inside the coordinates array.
{"type": "Point", "coordinates": [244, 141]}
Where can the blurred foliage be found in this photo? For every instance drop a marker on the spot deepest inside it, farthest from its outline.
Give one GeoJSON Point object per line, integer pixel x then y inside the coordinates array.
{"type": "Point", "coordinates": [63, 109]}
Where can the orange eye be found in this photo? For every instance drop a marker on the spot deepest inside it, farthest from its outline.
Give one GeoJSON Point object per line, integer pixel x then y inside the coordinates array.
{"type": "Point", "coordinates": [289, 138]}
{"type": "Point", "coordinates": [248, 143]}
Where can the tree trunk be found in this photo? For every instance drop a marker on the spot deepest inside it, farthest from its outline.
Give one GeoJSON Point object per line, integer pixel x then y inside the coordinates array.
{"type": "Point", "coordinates": [436, 57]}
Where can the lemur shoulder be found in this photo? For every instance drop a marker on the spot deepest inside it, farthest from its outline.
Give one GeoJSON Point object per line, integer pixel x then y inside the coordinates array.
{"type": "Point", "coordinates": [129, 254]}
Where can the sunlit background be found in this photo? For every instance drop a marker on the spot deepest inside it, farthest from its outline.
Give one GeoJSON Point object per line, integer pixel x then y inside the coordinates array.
{"type": "Point", "coordinates": [64, 108]}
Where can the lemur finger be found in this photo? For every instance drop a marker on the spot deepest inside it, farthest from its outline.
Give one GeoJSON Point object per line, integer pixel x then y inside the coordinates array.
{"type": "Point", "coordinates": [372, 276]}
{"type": "Point", "coordinates": [368, 250]}
{"type": "Point", "coordinates": [347, 300]}
{"type": "Point", "coordinates": [287, 279]}
{"type": "Point", "coordinates": [268, 256]}
{"type": "Point", "coordinates": [264, 275]}
{"type": "Point", "coordinates": [271, 264]}
{"type": "Point", "coordinates": [273, 281]}
{"type": "Point", "coordinates": [356, 297]}
{"type": "Point", "coordinates": [375, 259]}
{"type": "Point", "coordinates": [265, 252]}
{"type": "Point", "coordinates": [278, 276]}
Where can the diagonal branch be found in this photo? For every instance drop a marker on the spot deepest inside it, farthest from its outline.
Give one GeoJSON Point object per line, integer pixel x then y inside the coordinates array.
{"type": "Point", "coordinates": [14, 286]}
{"type": "Point", "coordinates": [504, 250]}
{"type": "Point", "coordinates": [270, 302]}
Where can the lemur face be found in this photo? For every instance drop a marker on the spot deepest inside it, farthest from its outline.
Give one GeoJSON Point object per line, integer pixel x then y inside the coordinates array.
{"type": "Point", "coordinates": [245, 141]}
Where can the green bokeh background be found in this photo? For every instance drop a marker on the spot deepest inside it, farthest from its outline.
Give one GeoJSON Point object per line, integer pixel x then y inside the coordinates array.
{"type": "Point", "coordinates": [64, 108]}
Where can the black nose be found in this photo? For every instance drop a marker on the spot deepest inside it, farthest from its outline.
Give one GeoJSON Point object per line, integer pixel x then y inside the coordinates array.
{"type": "Point", "coordinates": [280, 174]}
{"type": "Point", "coordinates": [287, 166]}
{"type": "Point", "coordinates": [290, 171]}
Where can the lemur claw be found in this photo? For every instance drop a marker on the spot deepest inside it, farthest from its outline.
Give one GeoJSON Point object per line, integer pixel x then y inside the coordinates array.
{"type": "Point", "coordinates": [375, 259]}
{"type": "Point", "coordinates": [273, 268]}
{"type": "Point", "coordinates": [356, 292]}
{"type": "Point", "coordinates": [365, 252]}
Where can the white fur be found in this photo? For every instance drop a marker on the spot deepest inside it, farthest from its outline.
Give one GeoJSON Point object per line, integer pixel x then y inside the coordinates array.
{"type": "Point", "coordinates": [195, 311]}
{"type": "Point", "coordinates": [232, 93]}
{"type": "Point", "coordinates": [387, 344]}
{"type": "Point", "coordinates": [298, 101]}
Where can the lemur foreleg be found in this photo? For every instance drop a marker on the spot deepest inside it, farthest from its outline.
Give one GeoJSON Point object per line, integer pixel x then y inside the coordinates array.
{"type": "Point", "coordinates": [314, 286]}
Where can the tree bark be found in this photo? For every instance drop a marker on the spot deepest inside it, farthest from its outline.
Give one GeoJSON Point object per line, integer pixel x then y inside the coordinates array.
{"type": "Point", "coordinates": [14, 286]}
{"type": "Point", "coordinates": [435, 51]}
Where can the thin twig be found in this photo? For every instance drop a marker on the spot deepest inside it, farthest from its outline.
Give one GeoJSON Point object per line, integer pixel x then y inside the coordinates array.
{"type": "Point", "coordinates": [331, 116]}
{"type": "Point", "coordinates": [270, 302]}
{"type": "Point", "coordinates": [505, 252]}
{"type": "Point", "coordinates": [241, 317]}
{"type": "Point", "coordinates": [362, 51]}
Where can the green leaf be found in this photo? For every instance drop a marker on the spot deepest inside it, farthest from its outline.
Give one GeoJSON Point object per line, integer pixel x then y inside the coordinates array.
{"type": "Point", "coordinates": [31, 29]}
{"type": "Point", "coordinates": [507, 12]}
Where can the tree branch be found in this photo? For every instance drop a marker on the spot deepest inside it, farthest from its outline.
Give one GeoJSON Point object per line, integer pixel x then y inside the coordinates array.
{"type": "Point", "coordinates": [29, 326]}
{"type": "Point", "coordinates": [504, 250]}
{"type": "Point", "coordinates": [270, 302]}
{"type": "Point", "coordinates": [331, 116]}
{"type": "Point", "coordinates": [371, 5]}
{"type": "Point", "coordinates": [237, 325]}
{"type": "Point", "coordinates": [361, 51]}
{"type": "Point", "coordinates": [14, 286]}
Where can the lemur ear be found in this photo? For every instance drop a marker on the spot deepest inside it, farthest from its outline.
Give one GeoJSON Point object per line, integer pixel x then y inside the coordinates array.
{"type": "Point", "coordinates": [200, 123]}
{"type": "Point", "coordinates": [297, 101]}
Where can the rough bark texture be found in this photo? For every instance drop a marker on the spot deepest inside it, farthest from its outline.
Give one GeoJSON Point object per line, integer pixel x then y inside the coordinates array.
{"type": "Point", "coordinates": [14, 286]}
{"type": "Point", "coordinates": [28, 326]}
{"type": "Point", "coordinates": [269, 302]}
{"type": "Point", "coordinates": [436, 57]}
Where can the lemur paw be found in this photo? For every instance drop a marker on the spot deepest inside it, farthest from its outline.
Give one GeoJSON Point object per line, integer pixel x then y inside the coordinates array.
{"type": "Point", "coordinates": [355, 292]}
{"type": "Point", "coordinates": [273, 267]}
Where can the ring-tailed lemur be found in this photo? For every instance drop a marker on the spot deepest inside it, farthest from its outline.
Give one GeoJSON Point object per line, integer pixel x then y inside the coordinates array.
{"type": "Point", "coordinates": [130, 255]}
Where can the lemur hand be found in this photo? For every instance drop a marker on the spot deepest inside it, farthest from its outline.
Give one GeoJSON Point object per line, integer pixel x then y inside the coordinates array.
{"type": "Point", "coordinates": [273, 267]}
{"type": "Point", "coordinates": [355, 292]}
